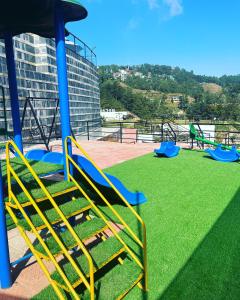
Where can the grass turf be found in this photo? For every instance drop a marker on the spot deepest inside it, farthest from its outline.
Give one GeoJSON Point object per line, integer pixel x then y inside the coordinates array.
{"type": "Point", "coordinates": [85, 231]}
{"type": "Point", "coordinates": [69, 208]}
{"type": "Point", "coordinates": [41, 168]}
{"type": "Point", "coordinates": [107, 249]}
{"type": "Point", "coordinates": [193, 225]}
{"type": "Point", "coordinates": [37, 193]}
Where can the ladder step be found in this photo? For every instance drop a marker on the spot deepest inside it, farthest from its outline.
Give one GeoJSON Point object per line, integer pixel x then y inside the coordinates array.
{"type": "Point", "coordinates": [55, 188]}
{"type": "Point", "coordinates": [69, 209]}
{"type": "Point", "coordinates": [84, 231]}
{"type": "Point", "coordinates": [102, 254]}
{"type": "Point", "coordinates": [113, 285]}
{"type": "Point", "coordinates": [41, 168]}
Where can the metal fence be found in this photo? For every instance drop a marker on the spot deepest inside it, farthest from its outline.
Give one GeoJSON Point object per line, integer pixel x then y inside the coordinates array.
{"type": "Point", "coordinates": [135, 132]}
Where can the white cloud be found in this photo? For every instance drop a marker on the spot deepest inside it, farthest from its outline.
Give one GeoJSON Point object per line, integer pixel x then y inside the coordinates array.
{"type": "Point", "coordinates": [153, 4]}
{"type": "Point", "coordinates": [133, 24]}
{"type": "Point", "coordinates": [175, 7]}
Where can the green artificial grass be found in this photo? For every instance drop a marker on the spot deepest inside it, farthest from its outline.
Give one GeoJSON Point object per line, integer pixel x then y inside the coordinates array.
{"type": "Point", "coordinates": [112, 283]}
{"type": "Point", "coordinates": [69, 208]}
{"type": "Point", "coordinates": [41, 168]}
{"type": "Point", "coordinates": [193, 226]}
{"type": "Point", "coordinates": [37, 193]}
{"type": "Point", "coordinates": [100, 254]}
{"type": "Point", "coordinates": [85, 231]}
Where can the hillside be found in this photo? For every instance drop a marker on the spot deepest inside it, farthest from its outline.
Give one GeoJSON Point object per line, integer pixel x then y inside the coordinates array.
{"type": "Point", "coordinates": [157, 91]}
{"type": "Point", "coordinates": [212, 88]}
{"type": "Point", "coordinates": [150, 94]}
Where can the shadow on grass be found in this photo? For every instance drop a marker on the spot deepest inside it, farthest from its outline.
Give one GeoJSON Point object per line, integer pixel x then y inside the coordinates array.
{"type": "Point", "coordinates": [212, 271]}
{"type": "Point", "coordinates": [211, 158]}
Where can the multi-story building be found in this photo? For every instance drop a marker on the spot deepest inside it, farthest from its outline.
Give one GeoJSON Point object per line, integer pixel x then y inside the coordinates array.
{"type": "Point", "coordinates": [37, 78]}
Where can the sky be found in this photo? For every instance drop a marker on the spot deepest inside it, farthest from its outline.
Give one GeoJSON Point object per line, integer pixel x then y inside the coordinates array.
{"type": "Point", "coordinates": [198, 35]}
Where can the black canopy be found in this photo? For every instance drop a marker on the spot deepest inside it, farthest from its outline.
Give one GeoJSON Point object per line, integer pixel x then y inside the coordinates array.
{"type": "Point", "coordinates": [36, 16]}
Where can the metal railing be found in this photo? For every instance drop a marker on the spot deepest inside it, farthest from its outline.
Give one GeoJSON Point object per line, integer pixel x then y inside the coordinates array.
{"type": "Point", "coordinates": [14, 204]}
{"type": "Point", "coordinates": [41, 122]}
{"type": "Point", "coordinates": [76, 45]}
{"type": "Point", "coordinates": [135, 132]}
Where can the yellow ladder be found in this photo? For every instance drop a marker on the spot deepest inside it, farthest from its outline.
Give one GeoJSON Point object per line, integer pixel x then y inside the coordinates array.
{"type": "Point", "coordinates": [21, 200]}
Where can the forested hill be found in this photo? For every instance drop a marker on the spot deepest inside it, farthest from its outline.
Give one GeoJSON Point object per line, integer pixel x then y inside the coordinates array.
{"type": "Point", "coordinates": [164, 78]}
{"type": "Point", "coordinates": [209, 95]}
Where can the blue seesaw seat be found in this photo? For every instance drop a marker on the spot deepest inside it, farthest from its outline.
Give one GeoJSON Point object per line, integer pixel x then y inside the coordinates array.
{"type": "Point", "coordinates": [224, 155]}
{"type": "Point", "coordinates": [92, 172]}
{"type": "Point", "coordinates": [167, 149]}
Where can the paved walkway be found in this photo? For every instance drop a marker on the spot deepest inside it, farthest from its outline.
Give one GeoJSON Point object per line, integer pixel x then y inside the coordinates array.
{"type": "Point", "coordinates": [107, 154]}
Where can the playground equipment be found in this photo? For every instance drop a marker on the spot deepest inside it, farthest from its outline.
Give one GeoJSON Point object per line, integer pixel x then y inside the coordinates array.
{"type": "Point", "coordinates": [167, 149]}
{"type": "Point", "coordinates": [91, 170]}
{"type": "Point", "coordinates": [224, 155]}
{"type": "Point", "coordinates": [195, 136]}
{"type": "Point", "coordinates": [57, 206]}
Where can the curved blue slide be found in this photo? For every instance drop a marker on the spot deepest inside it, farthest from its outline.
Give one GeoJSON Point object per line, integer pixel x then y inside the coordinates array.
{"type": "Point", "coordinates": [91, 171]}
{"type": "Point", "coordinates": [167, 149]}
{"type": "Point", "coordinates": [224, 155]}
{"type": "Point", "coordinates": [36, 154]}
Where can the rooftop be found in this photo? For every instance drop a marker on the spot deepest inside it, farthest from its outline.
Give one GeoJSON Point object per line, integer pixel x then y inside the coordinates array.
{"type": "Point", "coordinates": [192, 220]}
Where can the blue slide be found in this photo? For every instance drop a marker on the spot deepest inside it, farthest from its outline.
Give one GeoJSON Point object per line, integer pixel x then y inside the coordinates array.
{"type": "Point", "coordinates": [92, 172]}
{"type": "Point", "coordinates": [167, 149]}
{"type": "Point", "coordinates": [36, 154]}
{"type": "Point", "coordinates": [224, 155]}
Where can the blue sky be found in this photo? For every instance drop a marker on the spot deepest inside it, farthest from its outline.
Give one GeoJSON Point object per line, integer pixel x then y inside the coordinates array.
{"type": "Point", "coordinates": [198, 35]}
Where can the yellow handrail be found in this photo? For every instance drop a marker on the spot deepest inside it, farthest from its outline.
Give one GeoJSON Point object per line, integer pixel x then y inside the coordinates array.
{"type": "Point", "coordinates": [89, 286]}
{"type": "Point", "coordinates": [108, 223]}
{"type": "Point", "coordinates": [143, 244]}
{"type": "Point", "coordinates": [29, 243]}
{"type": "Point", "coordinates": [31, 247]}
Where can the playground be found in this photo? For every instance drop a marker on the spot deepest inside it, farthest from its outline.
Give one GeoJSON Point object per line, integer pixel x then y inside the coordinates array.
{"type": "Point", "coordinates": [192, 220]}
{"type": "Point", "coordinates": [116, 220]}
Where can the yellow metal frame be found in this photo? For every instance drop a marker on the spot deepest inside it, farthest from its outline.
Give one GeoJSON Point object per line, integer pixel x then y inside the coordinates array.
{"type": "Point", "coordinates": [25, 204]}
{"type": "Point", "coordinates": [42, 255]}
{"type": "Point", "coordinates": [142, 244]}
{"type": "Point", "coordinates": [11, 197]}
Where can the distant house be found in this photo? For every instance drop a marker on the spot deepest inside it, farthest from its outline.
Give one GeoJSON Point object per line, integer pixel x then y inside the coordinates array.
{"type": "Point", "coordinates": [175, 98]}
{"type": "Point", "coordinates": [113, 115]}
{"type": "Point", "coordinates": [121, 74]}
{"type": "Point", "coordinates": [139, 74]}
